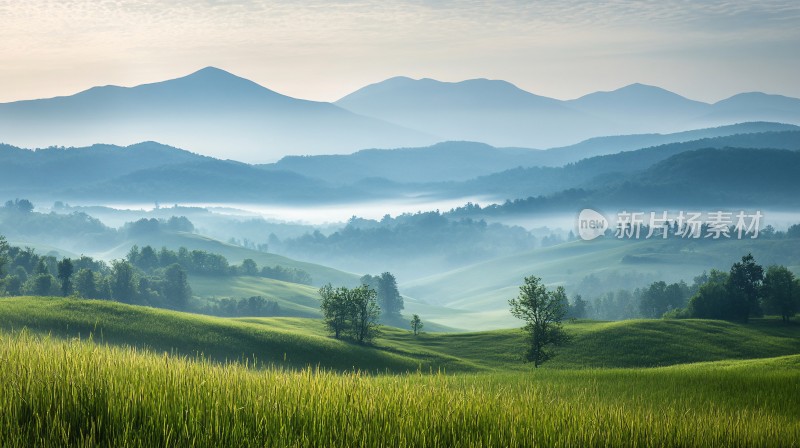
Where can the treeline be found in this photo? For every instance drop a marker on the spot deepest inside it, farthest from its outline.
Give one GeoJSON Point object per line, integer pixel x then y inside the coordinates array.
{"type": "Point", "coordinates": [200, 262]}
{"type": "Point", "coordinates": [19, 221]}
{"type": "Point", "coordinates": [160, 282]}
{"type": "Point", "coordinates": [414, 235]}
{"type": "Point", "coordinates": [23, 272]}
{"type": "Point", "coordinates": [747, 290]}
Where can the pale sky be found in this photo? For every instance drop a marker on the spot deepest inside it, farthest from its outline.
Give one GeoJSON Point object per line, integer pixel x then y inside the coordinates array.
{"type": "Point", "coordinates": [324, 50]}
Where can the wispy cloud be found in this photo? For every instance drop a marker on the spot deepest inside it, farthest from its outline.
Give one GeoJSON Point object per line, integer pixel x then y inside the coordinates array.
{"type": "Point", "coordinates": [294, 43]}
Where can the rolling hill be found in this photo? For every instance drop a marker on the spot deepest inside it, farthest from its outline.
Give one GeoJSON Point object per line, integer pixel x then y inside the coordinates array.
{"type": "Point", "coordinates": [234, 254]}
{"type": "Point", "coordinates": [298, 343]}
{"type": "Point", "coordinates": [480, 292]}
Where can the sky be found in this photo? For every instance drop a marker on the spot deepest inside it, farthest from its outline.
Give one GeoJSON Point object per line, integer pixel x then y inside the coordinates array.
{"type": "Point", "coordinates": [324, 50]}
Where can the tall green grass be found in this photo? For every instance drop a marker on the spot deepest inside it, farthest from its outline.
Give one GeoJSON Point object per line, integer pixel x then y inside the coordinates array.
{"type": "Point", "coordinates": [76, 393]}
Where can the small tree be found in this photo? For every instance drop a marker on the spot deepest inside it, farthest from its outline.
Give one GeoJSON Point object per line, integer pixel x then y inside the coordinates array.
{"type": "Point", "coordinates": [744, 285]}
{"type": "Point", "coordinates": [781, 292]}
{"type": "Point", "coordinates": [334, 309]}
{"type": "Point", "coordinates": [176, 287]}
{"type": "Point", "coordinates": [364, 313]}
{"type": "Point", "coordinates": [542, 311]}
{"type": "Point", "coordinates": [86, 285]}
{"type": "Point", "coordinates": [65, 270]}
{"type": "Point", "coordinates": [416, 324]}
{"type": "Point", "coordinates": [353, 312]}
{"type": "Point", "coordinates": [123, 281]}
{"type": "Point", "coordinates": [3, 253]}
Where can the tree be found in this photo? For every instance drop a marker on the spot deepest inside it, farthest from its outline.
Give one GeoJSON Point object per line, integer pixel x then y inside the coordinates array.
{"type": "Point", "coordinates": [542, 311]}
{"type": "Point", "coordinates": [659, 298]}
{"type": "Point", "coordinates": [249, 267]}
{"type": "Point", "coordinates": [65, 270]}
{"type": "Point", "coordinates": [389, 298]}
{"type": "Point", "coordinates": [176, 286]}
{"type": "Point", "coordinates": [781, 292]}
{"type": "Point", "coordinates": [348, 311]}
{"type": "Point", "coordinates": [577, 310]}
{"type": "Point", "coordinates": [41, 285]}
{"type": "Point", "coordinates": [86, 284]}
{"type": "Point", "coordinates": [416, 324]}
{"type": "Point", "coordinates": [3, 253]}
{"type": "Point", "coordinates": [364, 313]}
{"type": "Point", "coordinates": [712, 300]}
{"type": "Point", "coordinates": [123, 281]}
{"type": "Point", "coordinates": [147, 259]}
{"type": "Point", "coordinates": [744, 285]}
{"type": "Point", "coordinates": [334, 309]}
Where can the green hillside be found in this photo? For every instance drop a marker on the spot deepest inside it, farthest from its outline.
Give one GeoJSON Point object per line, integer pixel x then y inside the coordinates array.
{"type": "Point", "coordinates": [480, 292]}
{"type": "Point", "coordinates": [284, 342]}
{"type": "Point", "coordinates": [75, 393]}
{"type": "Point", "coordinates": [292, 298]}
{"type": "Point", "coordinates": [235, 254]}
{"type": "Point", "coordinates": [298, 342]}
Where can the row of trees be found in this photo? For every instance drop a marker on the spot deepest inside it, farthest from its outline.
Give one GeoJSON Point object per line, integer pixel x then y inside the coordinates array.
{"type": "Point", "coordinates": [201, 262]}
{"type": "Point", "coordinates": [33, 274]}
{"type": "Point", "coordinates": [163, 286]}
{"type": "Point", "coordinates": [746, 291]}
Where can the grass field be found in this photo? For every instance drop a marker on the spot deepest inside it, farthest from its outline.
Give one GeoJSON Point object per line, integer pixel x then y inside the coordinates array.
{"type": "Point", "coordinates": [301, 342]}
{"type": "Point", "coordinates": [95, 373]}
{"type": "Point", "coordinates": [76, 393]}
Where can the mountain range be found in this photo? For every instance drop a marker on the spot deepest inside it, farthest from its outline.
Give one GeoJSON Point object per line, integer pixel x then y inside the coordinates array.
{"type": "Point", "coordinates": [151, 172]}
{"type": "Point", "coordinates": [216, 113]}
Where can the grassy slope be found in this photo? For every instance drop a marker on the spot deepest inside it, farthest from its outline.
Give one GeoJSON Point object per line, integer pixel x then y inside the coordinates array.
{"type": "Point", "coordinates": [641, 343]}
{"type": "Point", "coordinates": [235, 254]}
{"type": "Point", "coordinates": [289, 342]}
{"type": "Point", "coordinates": [481, 291]}
{"type": "Point", "coordinates": [69, 393]}
{"type": "Point", "coordinates": [293, 298]}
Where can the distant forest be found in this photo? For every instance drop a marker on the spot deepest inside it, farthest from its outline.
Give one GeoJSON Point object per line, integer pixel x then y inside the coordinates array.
{"type": "Point", "coordinates": [145, 277]}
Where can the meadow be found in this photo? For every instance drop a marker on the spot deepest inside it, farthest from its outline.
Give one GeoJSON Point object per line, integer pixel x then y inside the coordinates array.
{"type": "Point", "coordinates": [93, 373]}
{"type": "Point", "coordinates": [72, 392]}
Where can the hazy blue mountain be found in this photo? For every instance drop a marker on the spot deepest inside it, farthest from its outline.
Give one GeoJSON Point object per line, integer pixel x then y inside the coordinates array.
{"type": "Point", "coordinates": [641, 108]}
{"type": "Point", "coordinates": [500, 114]}
{"type": "Point", "coordinates": [739, 107]}
{"type": "Point", "coordinates": [495, 112]}
{"type": "Point", "coordinates": [706, 179]}
{"type": "Point", "coordinates": [602, 171]}
{"type": "Point", "coordinates": [461, 161]}
{"type": "Point", "coordinates": [43, 170]}
{"type": "Point", "coordinates": [444, 161]}
{"type": "Point", "coordinates": [216, 181]}
{"type": "Point", "coordinates": [613, 144]}
{"type": "Point", "coordinates": [210, 111]}
{"type": "Point", "coordinates": [755, 177]}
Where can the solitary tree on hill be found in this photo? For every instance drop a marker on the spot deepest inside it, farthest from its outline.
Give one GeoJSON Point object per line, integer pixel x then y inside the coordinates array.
{"type": "Point", "coordinates": [416, 324]}
{"type": "Point", "coordinates": [542, 311]}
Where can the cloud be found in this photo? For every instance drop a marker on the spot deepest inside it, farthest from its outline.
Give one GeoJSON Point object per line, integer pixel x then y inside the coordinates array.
{"type": "Point", "coordinates": [512, 38]}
